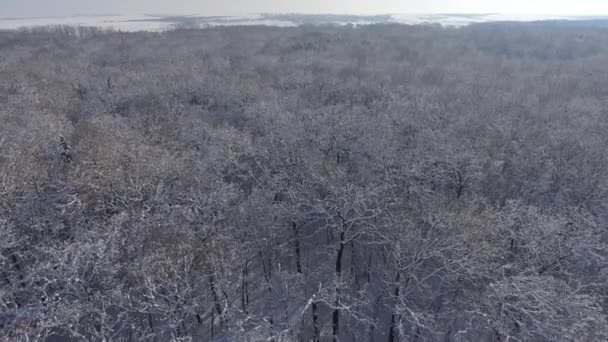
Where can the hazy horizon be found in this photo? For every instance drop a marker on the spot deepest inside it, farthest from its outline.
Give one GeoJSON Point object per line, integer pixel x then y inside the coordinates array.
{"type": "Point", "coordinates": [41, 8]}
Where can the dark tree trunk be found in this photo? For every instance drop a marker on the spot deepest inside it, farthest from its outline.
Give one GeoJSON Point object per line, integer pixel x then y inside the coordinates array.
{"type": "Point", "coordinates": [212, 324]}
{"type": "Point", "coordinates": [266, 268]}
{"type": "Point", "coordinates": [315, 322]}
{"type": "Point", "coordinates": [268, 277]}
{"type": "Point", "coordinates": [336, 313]}
{"type": "Point", "coordinates": [297, 248]}
{"type": "Point", "coordinates": [353, 268]}
{"type": "Point", "coordinates": [216, 299]}
{"type": "Point", "coordinates": [372, 325]}
{"type": "Point", "coordinates": [371, 333]}
{"type": "Point", "coordinates": [393, 332]}
{"type": "Point", "coordinates": [336, 323]}
{"type": "Point", "coordinates": [369, 268]}
{"type": "Point", "coordinates": [245, 290]}
{"type": "Point", "coordinates": [459, 185]}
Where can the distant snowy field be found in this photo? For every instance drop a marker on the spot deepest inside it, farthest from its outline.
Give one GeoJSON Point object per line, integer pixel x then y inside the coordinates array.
{"type": "Point", "coordinates": [165, 22]}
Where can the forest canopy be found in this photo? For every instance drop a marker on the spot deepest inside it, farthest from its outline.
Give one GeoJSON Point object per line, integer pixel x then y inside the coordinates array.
{"type": "Point", "coordinates": [314, 183]}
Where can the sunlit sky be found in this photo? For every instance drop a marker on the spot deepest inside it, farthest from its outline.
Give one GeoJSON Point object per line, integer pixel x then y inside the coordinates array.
{"type": "Point", "coordinates": [30, 8]}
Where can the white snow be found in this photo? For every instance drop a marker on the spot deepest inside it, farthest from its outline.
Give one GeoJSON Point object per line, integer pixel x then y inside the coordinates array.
{"type": "Point", "coordinates": [153, 23]}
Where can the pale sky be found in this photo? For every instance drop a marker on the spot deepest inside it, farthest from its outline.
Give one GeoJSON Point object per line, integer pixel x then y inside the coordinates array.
{"type": "Point", "coordinates": [31, 8]}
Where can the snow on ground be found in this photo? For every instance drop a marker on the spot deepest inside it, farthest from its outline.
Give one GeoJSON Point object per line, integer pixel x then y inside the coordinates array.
{"type": "Point", "coordinates": [466, 19]}
{"type": "Point", "coordinates": [159, 23]}
{"type": "Point", "coordinates": [118, 22]}
{"type": "Point", "coordinates": [140, 22]}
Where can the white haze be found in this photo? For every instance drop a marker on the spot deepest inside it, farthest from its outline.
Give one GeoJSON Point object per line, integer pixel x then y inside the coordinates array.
{"type": "Point", "coordinates": [152, 23]}
{"type": "Point", "coordinates": [44, 8]}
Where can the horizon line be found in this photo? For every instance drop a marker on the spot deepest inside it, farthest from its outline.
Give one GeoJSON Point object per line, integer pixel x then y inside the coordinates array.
{"type": "Point", "coordinates": [197, 14]}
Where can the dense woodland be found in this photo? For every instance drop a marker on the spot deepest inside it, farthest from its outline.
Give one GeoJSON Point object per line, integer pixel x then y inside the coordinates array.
{"type": "Point", "coordinates": [319, 183]}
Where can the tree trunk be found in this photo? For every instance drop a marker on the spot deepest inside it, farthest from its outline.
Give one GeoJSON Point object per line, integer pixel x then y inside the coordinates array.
{"type": "Point", "coordinates": [371, 333]}
{"type": "Point", "coordinates": [245, 290]}
{"type": "Point", "coordinates": [393, 332]}
{"type": "Point", "coordinates": [315, 322]}
{"type": "Point", "coordinates": [297, 248]}
{"type": "Point", "coordinates": [459, 185]}
{"type": "Point", "coordinates": [216, 298]}
{"type": "Point", "coordinates": [267, 269]}
{"type": "Point", "coordinates": [336, 313]}
{"type": "Point", "coordinates": [369, 268]}
{"type": "Point", "coordinates": [212, 324]}
{"type": "Point", "coordinates": [353, 268]}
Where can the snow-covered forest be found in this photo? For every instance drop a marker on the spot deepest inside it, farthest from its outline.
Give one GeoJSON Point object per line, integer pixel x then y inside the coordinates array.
{"type": "Point", "coordinates": [314, 183]}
